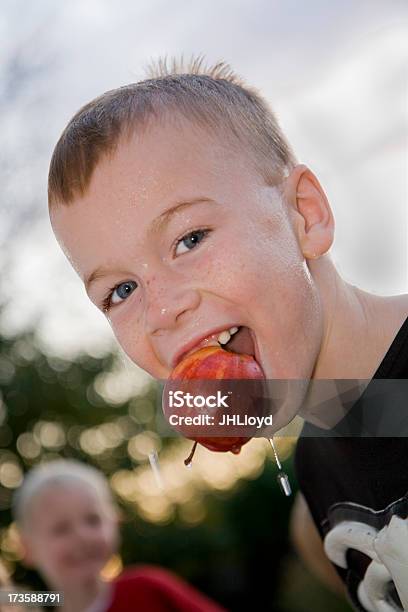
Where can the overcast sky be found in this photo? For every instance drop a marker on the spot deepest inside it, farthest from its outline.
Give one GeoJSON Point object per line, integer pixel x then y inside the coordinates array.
{"type": "Point", "coordinates": [335, 73]}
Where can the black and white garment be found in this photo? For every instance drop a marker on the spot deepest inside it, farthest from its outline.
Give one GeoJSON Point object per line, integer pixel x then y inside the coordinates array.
{"type": "Point", "coordinates": [355, 481]}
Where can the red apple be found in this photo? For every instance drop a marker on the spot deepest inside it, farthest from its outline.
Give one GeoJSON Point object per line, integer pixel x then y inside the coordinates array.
{"type": "Point", "coordinates": [214, 364]}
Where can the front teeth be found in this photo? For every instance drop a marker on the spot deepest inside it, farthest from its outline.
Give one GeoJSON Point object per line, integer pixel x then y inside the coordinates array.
{"type": "Point", "coordinates": [225, 336]}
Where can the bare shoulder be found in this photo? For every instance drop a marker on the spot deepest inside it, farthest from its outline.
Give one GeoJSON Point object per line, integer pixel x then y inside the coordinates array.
{"type": "Point", "coordinates": [394, 313]}
{"type": "Point", "coordinates": [388, 314]}
{"type": "Point", "coordinates": [400, 303]}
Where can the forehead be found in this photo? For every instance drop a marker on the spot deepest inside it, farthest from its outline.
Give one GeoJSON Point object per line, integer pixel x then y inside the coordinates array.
{"type": "Point", "coordinates": [62, 500]}
{"type": "Point", "coordinates": [157, 161]}
{"type": "Point", "coordinates": [131, 186]}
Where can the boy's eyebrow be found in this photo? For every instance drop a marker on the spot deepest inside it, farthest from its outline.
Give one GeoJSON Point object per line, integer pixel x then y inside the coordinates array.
{"type": "Point", "coordinates": [156, 226]}
{"type": "Point", "coordinates": [93, 276]}
{"type": "Point", "coordinates": [163, 219]}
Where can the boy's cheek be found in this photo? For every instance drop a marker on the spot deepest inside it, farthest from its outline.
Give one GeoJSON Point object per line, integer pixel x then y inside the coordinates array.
{"type": "Point", "coordinates": [140, 353]}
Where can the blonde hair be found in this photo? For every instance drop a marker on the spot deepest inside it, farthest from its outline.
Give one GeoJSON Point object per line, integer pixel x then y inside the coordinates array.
{"type": "Point", "coordinates": [61, 472]}
{"type": "Point", "coordinates": [214, 98]}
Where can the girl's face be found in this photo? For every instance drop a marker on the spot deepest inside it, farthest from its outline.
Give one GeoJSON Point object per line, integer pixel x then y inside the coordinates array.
{"type": "Point", "coordinates": [178, 238]}
{"type": "Point", "coordinates": [69, 537]}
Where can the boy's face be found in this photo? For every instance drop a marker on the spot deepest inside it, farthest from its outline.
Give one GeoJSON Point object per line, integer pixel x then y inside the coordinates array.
{"type": "Point", "coordinates": [228, 257]}
{"type": "Point", "coordinates": [69, 537]}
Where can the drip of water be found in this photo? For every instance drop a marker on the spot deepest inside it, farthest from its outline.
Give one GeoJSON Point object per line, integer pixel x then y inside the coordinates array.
{"type": "Point", "coordinates": [155, 465]}
{"type": "Point", "coordinates": [283, 478]}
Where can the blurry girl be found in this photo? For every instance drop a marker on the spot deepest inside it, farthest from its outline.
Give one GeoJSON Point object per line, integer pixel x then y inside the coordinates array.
{"type": "Point", "coordinates": [69, 530]}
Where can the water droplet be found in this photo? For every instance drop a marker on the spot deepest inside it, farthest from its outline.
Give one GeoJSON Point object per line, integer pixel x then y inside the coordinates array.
{"type": "Point", "coordinates": [278, 463]}
{"type": "Point", "coordinates": [155, 465]}
{"type": "Point", "coordinates": [283, 480]}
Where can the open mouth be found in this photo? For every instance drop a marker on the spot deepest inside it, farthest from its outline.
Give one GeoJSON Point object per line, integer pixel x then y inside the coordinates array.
{"type": "Point", "coordinates": [241, 342]}
{"type": "Point", "coordinates": [236, 339]}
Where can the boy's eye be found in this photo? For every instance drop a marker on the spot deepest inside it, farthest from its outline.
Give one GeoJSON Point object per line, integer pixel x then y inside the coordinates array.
{"type": "Point", "coordinates": [118, 294]}
{"type": "Point", "coordinates": [122, 291]}
{"type": "Point", "coordinates": [190, 241]}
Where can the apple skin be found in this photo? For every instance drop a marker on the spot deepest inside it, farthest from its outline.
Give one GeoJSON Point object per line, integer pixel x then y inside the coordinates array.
{"type": "Point", "coordinates": [211, 363]}
{"type": "Point", "coordinates": [214, 363]}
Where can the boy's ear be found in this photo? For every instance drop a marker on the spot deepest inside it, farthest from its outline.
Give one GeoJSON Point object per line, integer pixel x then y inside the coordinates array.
{"type": "Point", "coordinates": [313, 216]}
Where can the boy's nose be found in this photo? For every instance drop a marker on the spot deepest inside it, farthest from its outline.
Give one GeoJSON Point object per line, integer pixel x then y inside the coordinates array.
{"type": "Point", "coordinates": [166, 313]}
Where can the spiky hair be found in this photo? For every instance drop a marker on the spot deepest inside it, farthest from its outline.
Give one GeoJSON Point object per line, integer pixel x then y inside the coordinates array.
{"type": "Point", "coordinates": [213, 97]}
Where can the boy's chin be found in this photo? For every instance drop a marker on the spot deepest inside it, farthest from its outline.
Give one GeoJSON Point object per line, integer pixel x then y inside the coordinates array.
{"type": "Point", "coordinates": [286, 398]}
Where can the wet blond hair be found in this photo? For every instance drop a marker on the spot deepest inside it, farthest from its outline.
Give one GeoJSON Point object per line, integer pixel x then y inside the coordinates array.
{"type": "Point", "coordinates": [211, 97]}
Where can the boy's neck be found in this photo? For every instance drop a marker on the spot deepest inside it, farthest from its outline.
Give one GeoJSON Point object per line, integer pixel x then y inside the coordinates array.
{"type": "Point", "coordinates": [359, 327]}
{"type": "Point", "coordinates": [84, 595]}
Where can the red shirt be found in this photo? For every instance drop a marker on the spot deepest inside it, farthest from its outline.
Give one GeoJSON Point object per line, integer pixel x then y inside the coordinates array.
{"type": "Point", "coordinates": [153, 589]}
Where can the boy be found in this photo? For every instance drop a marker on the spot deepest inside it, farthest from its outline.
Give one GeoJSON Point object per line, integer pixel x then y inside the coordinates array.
{"type": "Point", "coordinates": [182, 207]}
